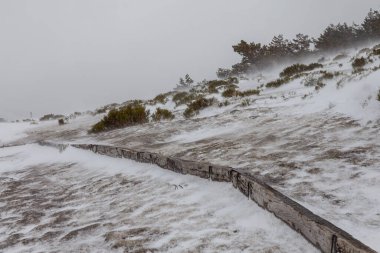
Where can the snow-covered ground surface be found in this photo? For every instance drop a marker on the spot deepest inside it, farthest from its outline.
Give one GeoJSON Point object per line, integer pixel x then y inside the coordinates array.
{"type": "Point", "coordinates": [319, 147]}
{"type": "Point", "coordinates": [77, 201]}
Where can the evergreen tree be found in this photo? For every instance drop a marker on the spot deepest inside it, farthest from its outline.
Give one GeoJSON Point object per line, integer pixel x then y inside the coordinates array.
{"type": "Point", "coordinates": [188, 80]}
{"type": "Point", "coordinates": [371, 25]}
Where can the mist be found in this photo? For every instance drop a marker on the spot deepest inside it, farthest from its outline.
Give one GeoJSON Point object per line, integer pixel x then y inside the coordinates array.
{"type": "Point", "coordinates": [74, 55]}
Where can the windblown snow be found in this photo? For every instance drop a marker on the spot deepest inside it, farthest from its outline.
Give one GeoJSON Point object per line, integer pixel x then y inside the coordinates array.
{"type": "Point", "coordinates": [77, 201]}
{"type": "Point", "coordinates": [318, 146]}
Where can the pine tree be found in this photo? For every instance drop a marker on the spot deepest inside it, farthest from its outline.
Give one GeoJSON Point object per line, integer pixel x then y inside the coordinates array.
{"type": "Point", "coordinates": [371, 25]}
{"type": "Point", "coordinates": [188, 80]}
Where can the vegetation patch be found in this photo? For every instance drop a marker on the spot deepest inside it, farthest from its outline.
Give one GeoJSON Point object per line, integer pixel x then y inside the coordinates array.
{"type": "Point", "coordinates": [278, 82]}
{"type": "Point", "coordinates": [129, 115]}
{"type": "Point", "coordinates": [230, 91]}
{"type": "Point", "coordinates": [359, 63]}
{"type": "Point", "coordinates": [376, 51]}
{"type": "Point", "coordinates": [194, 107]}
{"type": "Point", "coordinates": [299, 68]}
{"type": "Point", "coordinates": [213, 85]}
{"type": "Point", "coordinates": [378, 96]}
{"type": "Point", "coordinates": [245, 102]}
{"type": "Point", "coordinates": [51, 117]}
{"type": "Point", "coordinates": [162, 114]}
{"type": "Point", "coordinates": [182, 98]}
{"type": "Point", "coordinates": [161, 98]}
{"type": "Point", "coordinates": [248, 93]}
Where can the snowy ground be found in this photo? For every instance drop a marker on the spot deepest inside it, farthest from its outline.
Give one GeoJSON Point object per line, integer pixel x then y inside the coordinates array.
{"type": "Point", "coordinates": [77, 201]}
{"type": "Point", "coordinates": [321, 148]}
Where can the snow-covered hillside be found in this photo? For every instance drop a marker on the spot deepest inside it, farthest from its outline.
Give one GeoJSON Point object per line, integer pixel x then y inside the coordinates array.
{"type": "Point", "coordinates": [315, 138]}
{"type": "Point", "coordinates": [77, 201]}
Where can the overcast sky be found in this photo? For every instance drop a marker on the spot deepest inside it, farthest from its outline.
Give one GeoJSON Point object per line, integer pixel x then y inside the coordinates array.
{"type": "Point", "coordinates": [61, 56]}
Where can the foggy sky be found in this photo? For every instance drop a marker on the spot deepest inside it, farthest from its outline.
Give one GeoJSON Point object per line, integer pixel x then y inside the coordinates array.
{"type": "Point", "coordinates": [61, 56]}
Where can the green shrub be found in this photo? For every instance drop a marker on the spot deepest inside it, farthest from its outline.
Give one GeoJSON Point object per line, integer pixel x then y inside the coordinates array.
{"type": "Point", "coordinates": [376, 51]}
{"type": "Point", "coordinates": [299, 68]}
{"type": "Point", "coordinates": [278, 82]}
{"type": "Point", "coordinates": [162, 114]}
{"type": "Point", "coordinates": [214, 84]}
{"type": "Point", "coordinates": [378, 96]}
{"type": "Point", "coordinates": [182, 98]}
{"type": "Point", "coordinates": [194, 107]}
{"type": "Point", "coordinates": [224, 103]}
{"type": "Point", "coordinates": [248, 93]}
{"type": "Point", "coordinates": [327, 75]}
{"type": "Point", "coordinates": [129, 115]}
{"type": "Point", "coordinates": [245, 102]}
{"type": "Point", "coordinates": [51, 117]}
{"type": "Point", "coordinates": [230, 92]}
{"type": "Point", "coordinates": [319, 85]}
{"type": "Point", "coordinates": [161, 98]}
{"type": "Point", "coordinates": [359, 62]}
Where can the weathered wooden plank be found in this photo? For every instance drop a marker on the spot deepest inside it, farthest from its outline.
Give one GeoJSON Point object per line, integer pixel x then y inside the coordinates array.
{"type": "Point", "coordinates": [220, 173]}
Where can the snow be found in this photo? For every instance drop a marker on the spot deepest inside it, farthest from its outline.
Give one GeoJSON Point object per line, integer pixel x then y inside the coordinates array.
{"type": "Point", "coordinates": [321, 148]}
{"type": "Point", "coordinates": [13, 131]}
{"type": "Point", "coordinates": [154, 208]}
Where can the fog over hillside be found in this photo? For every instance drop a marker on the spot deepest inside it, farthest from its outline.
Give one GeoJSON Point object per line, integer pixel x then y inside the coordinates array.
{"type": "Point", "coordinates": [64, 56]}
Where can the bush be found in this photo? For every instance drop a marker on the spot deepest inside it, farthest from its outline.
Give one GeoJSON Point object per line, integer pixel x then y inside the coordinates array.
{"type": "Point", "coordinates": [299, 68]}
{"type": "Point", "coordinates": [224, 103]}
{"type": "Point", "coordinates": [162, 114]}
{"type": "Point", "coordinates": [378, 96]}
{"type": "Point", "coordinates": [51, 117]}
{"type": "Point", "coordinates": [161, 98]}
{"type": "Point", "coordinates": [359, 62]}
{"type": "Point", "coordinates": [125, 116]}
{"type": "Point", "coordinates": [223, 73]}
{"type": "Point", "coordinates": [230, 92]}
{"type": "Point", "coordinates": [376, 51]}
{"type": "Point", "coordinates": [182, 98]}
{"type": "Point", "coordinates": [194, 107]}
{"type": "Point", "coordinates": [327, 75]}
{"type": "Point", "coordinates": [214, 84]}
{"type": "Point", "coordinates": [248, 93]}
{"type": "Point", "coordinates": [278, 82]}
{"type": "Point", "coordinates": [245, 102]}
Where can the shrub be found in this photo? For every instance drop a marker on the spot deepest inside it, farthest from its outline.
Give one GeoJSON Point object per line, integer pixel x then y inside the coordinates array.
{"type": "Point", "coordinates": [182, 98]}
{"type": "Point", "coordinates": [224, 103]}
{"type": "Point", "coordinates": [230, 92]}
{"type": "Point", "coordinates": [161, 98]}
{"type": "Point", "coordinates": [214, 84]}
{"type": "Point", "coordinates": [223, 73]}
{"type": "Point", "coordinates": [162, 114]}
{"type": "Point", "coordinates": [125, 116]}
{"type": "Point", "coordinates": [194, 107]}
{"type": "Point", "coordinates": [278, 82]}
{"type": "Point", "coordinates": [378, 96]}
{"type": "Point", "coordinates": [299, 68]}
{"type": "Point", "coordinates": [245, 102]}
{"type": "Point", "coordinates": [359, 63]}
{"type": "Point", "coordinates": [51, 117]}
{"type": "Point", "coordinates": [319, 85]}
{"type": "Point", "coordinates": [61, 122]}
{"type": "Point", "coordinates": [248, 93]}
{"type": "Point", "coordinates": [376, 51]}
{"type": "Point", "coordinates": [327, 75]}
{"type": "Point", "coordinates": [185, 82]}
